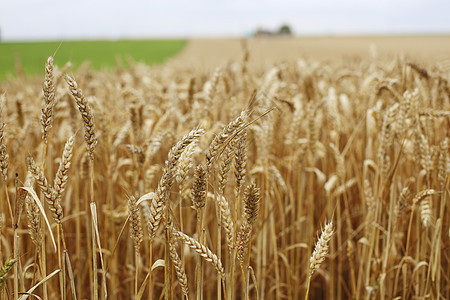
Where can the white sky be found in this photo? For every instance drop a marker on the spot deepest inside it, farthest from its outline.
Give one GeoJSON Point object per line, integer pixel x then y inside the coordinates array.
{"type": "Point", "coordinates": [62, 19]}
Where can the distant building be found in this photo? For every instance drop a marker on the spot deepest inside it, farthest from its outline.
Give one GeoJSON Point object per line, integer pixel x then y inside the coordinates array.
{"type": "Point", "coordinates": [264, 33]}
{"type": "Point", "coordinates": [284, 30]}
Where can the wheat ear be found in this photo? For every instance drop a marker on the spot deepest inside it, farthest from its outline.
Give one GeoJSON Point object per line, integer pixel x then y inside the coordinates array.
{"type": "Point", "coordinates": [184, 165]}
{"type": "Point", "coordinates": [425, 211]}
{"type": "Point", "coordinates": [49, 192]}
{"type": "Point", "coordinates": [224, 137]}
{"type": "Point", "coordinates": [417, 199]}
{"type": "Point", "coordinates": [9, 263]}
{"type": "Point", "coordinates": [199, 187]}
{"type": "Point", "coordinates": [319, 253]}
{"type": "Point", "coordinates": [252, 197]}
{"type": "Point", "coordinates": [321, 248]}
{"type": "Point", "coordinates": [136, 234]}
{"type": "Point", "coordinates": [177, 150]}
{"type": "Point", "coordinates": [442, 165]}
{"type": "Point", "coordinates": [227, 221]}
{"type": "Point", "coordinates": [166, 181]}
{"type": "Point", "coordinates": [202, 250]}
{"type": "Point", "coordinates": [240, 160]}
{"type": "Point", "coordinates": [135, 223]}
{"type": "Point", "coordinates": [63, 170]}
{"type": "Point", "coordinates": [86, 114]}
{"type": "Point", "coordinates": [243, 239]}
{"type": "Point", "coordinates": [179, 270]}
{"type": "Point", "coordinates": [4, 156]}
{"type": "Point", "coordinates": [225, 167]}
{"type": "Point", "coordinates": [33, 214]}
{"type": "Point", "coordinates": [49, 99]}
{"type": "Point", "coordinates": [421, 195]}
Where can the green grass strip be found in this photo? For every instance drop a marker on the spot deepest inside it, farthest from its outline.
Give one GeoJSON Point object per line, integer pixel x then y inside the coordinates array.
{"type": "Point", "coordinates": [101, 54]}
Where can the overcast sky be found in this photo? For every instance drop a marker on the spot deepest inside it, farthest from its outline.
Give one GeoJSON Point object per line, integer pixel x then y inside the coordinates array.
{"type": "Point", "coordinates": [111, 19]}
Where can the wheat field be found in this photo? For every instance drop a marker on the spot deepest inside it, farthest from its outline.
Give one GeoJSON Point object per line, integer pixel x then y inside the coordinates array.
{"type": "Point", "coordinates": [294, 178]}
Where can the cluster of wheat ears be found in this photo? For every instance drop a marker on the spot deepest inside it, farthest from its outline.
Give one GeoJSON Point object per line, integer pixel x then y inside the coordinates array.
{"type": "Point", "coordinates": [295, 180]}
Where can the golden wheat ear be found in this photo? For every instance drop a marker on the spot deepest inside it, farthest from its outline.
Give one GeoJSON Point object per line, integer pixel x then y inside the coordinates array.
{"type": "Point", "coordinates": [201, 249]}
{"type": "Point", "coordinates": [321, 248]}
{"type": "Point", "coordinates": [319, 253]}
{"type": "Point", "coordinates": [49, 99]}
{"type": "Point", "coordinates": [136, 231]}
{"type": "Point", "coordinates": [86, 114]}
{"type": "Point", "coordinates": [179, 269]}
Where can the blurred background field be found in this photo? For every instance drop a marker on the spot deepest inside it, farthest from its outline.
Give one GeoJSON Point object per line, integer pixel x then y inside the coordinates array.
{"type": "Point", "coordinates": [208, 53]}
{"type": "Point", "coordinates": [29, 56]}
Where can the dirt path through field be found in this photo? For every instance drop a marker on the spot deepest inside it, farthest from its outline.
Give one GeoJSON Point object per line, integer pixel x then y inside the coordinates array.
{"type": "Point", "coordinates": [209, 53]}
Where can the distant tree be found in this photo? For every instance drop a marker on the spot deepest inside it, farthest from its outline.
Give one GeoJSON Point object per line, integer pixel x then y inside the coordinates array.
{"type": "Point", "coordinates": [285, 29]}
